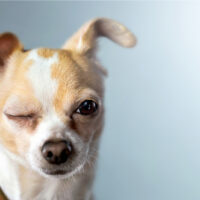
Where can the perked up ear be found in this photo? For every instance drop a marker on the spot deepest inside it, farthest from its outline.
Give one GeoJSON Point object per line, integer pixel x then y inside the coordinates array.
{"type": "Point", "coordinates": [85, 40]}
{"type": "Point", "coordinates": [8, 44]}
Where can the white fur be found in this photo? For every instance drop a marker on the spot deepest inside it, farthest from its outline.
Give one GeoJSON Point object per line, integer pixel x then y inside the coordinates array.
{"type": "Point", "coordinates": [46, 87]}
{"type": "Point", "coordinates": [9, 176]}
{"type": "Point", "coordinates": [50, 127]}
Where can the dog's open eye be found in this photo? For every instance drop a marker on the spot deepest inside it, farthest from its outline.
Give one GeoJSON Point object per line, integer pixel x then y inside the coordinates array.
{"type": "Point", "coordinates": [87, 107]}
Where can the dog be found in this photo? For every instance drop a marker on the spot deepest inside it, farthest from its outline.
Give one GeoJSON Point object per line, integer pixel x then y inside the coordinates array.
{"type": "Point", "coordinates": [52, 114]}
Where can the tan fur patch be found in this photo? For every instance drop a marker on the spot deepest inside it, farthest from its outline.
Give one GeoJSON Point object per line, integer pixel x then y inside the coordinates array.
{"type": "Point", "coordinates": [46, 53]}
{"type": "Point", "coordinates": [74, 76]}
{"type": "Point", "coordinates": [65, 72]}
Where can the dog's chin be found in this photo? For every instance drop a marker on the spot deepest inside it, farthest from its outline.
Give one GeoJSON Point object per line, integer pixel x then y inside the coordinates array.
{"type": "Point", "coordinates": [61, 173]}
{"type": "Point", "coordinates": [57, 174]}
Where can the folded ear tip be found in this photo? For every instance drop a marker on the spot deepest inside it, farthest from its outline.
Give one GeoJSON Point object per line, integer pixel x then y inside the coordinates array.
{"type": "Point", "coordinates": [129, 40]}
{"type": "Point", "coordinates": [117, 32]}
{"type": "Point", "coordinates": [132, 41]}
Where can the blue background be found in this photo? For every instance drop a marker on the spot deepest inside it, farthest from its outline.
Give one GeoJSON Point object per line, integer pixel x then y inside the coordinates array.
{"type": "Point", "coordinates": [151, 143]}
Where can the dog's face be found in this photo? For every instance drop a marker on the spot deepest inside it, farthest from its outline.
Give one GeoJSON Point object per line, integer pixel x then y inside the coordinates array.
{"type": "Point", "coordinates": [51, 100]}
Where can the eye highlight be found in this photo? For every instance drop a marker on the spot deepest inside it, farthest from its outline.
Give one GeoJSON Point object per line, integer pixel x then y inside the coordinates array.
{"type": "Point", "coordinates": [87, 107]}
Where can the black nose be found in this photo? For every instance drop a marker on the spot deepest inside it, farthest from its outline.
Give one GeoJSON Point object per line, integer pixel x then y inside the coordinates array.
{"type": "Point", "coordinates": [56, 152]}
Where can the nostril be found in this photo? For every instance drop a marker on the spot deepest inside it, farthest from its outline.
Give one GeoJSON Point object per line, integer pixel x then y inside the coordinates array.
{"type": "Point", "coordinates": [49, 154]}
{"type": "Point", "coordinates": [63, 156]}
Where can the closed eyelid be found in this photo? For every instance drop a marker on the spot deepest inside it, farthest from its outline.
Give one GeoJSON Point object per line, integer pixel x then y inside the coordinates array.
{"type": "Point", "coordinates": [22, 120]}
{"type": "Point", "coordinates": [17, 111]}
{"type": "Point", "coordinates": [20, 110]}
{"type": "Point", "coordinates": [17, 105]}
{"type": "Point", "coordinates": [20, 115]}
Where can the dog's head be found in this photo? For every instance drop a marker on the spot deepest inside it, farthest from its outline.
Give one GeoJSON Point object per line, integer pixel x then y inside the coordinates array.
{"type": "Point", "coordinates": [51, 100]}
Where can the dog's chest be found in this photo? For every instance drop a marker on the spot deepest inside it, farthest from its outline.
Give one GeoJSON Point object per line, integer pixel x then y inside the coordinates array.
{"type": "Point", "coordinates": [47, 190]}
{"type": "Point", "coordinates": [8, 179]}
{"type": "Point", "coordinates": [56, 190]}
{"type": "Point", "coordinates": [20, 184]}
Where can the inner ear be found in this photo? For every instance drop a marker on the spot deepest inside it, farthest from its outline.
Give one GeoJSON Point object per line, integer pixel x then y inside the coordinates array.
{"type": "Point", "coordinates": [8, 44]}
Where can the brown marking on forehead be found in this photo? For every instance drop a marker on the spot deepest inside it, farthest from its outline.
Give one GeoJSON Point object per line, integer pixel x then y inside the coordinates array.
{"type": "Point", "coordinates": [45, 53]}
{"type": "Point", "coordinates": [68, 76]}
{"type": "Point", "coordinates": [75, 78]}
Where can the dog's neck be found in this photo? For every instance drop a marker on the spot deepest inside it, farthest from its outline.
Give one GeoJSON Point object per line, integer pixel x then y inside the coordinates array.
{"type": "Point", "coordinates": [20, 183]}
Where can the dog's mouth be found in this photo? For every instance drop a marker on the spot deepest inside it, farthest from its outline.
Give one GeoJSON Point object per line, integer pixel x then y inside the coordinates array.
{"type": "Point", "coordinates": [57, 172]}
{"type": "Point", "coordinates": [62, 173]}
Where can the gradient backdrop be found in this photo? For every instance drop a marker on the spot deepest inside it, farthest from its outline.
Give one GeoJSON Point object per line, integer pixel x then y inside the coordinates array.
{"type": "Point", "coordinates": [150, 148]}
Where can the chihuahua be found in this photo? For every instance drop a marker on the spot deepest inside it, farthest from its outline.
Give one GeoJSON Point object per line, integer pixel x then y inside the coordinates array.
{"type": "Point", "coordinates": [52, 114]}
